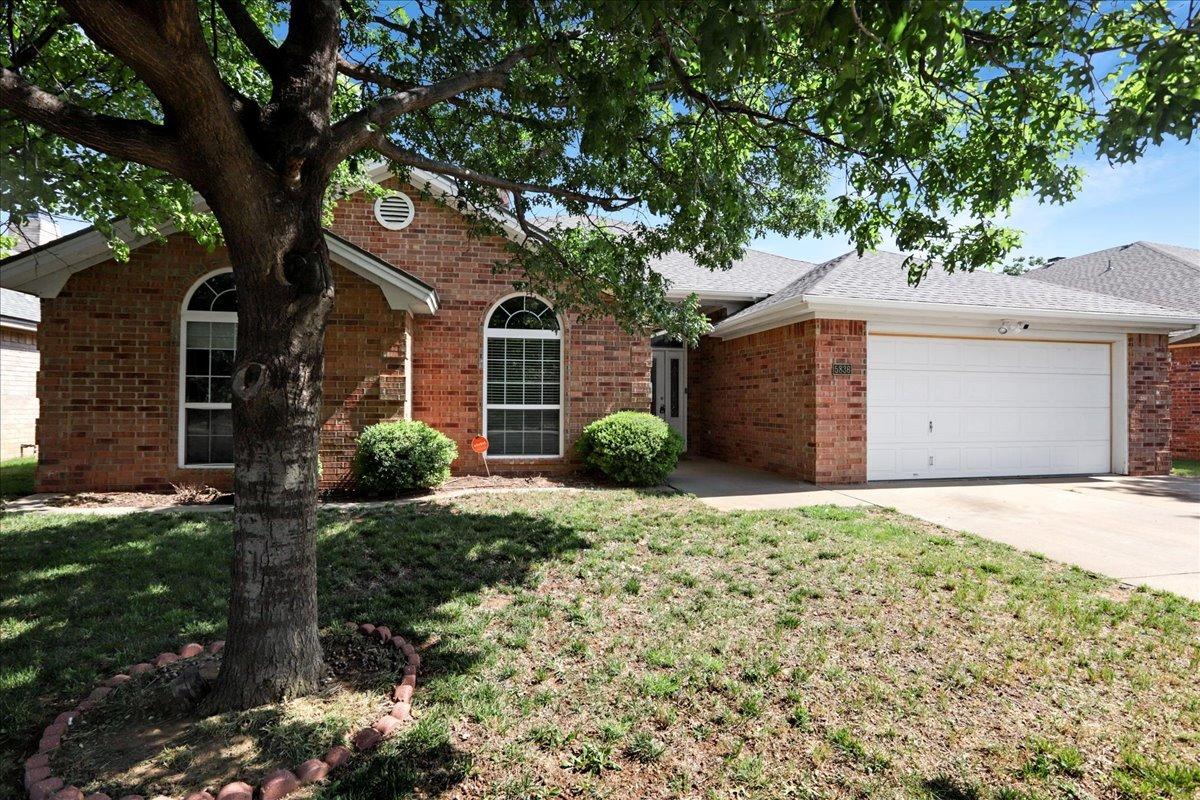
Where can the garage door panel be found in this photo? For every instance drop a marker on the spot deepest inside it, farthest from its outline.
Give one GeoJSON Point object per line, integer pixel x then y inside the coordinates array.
{"type": "Point", "coordinates": [944, 353]}
{"type": "Point", "coordinates": [978, 389]}
{"type": "Point", "coordinates": [1007, 460]}
{"type": "Point", "coordinates": [882, 424]}
{"type": "Point", "coordinates": [997, 407]}
{"type": "Point", "coordinates": [912, 389]}
{"type": "Point", "coordinates": [912, 426]}
{"type": "Point", "coordinates": [912, 459]}
{"type": "Point", "coordinates": [884, 388]}
{"type": "Point", "coordinates": [946, 389]}
{"type": "Point", "coordinates": [910, 352]}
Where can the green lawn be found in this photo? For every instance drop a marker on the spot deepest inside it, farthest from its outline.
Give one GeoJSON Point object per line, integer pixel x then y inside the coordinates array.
{"type": "Point", "coordinates": [1187, 467]}
{"type": "Point", "coordinates": [16, 477]}
{"type": "Point", "coordinates": [616, 644]}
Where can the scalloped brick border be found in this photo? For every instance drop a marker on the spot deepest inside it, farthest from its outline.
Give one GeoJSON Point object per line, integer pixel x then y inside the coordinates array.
{"type": "Point", "coordinates": [41, 784]}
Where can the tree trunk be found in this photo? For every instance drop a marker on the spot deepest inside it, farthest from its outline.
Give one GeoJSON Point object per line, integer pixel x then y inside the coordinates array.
{"type": "Point", "coordinates": [281, 267]}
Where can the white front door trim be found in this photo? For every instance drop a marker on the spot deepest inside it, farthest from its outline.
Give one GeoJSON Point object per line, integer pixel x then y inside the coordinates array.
{"type": "Point", "coordinates": [670, 398]}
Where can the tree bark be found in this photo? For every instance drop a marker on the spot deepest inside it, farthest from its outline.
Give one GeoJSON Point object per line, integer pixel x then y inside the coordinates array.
{"type": "Point", "coordinates": [281, 267]}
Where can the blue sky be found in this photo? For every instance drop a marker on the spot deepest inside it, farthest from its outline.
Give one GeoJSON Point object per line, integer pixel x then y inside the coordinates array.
{"type": "Point", "coordinates": [1156, 199]}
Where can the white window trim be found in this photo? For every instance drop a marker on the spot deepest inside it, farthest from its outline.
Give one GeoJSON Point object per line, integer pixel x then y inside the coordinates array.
{"type": "Point", "coordinates": [560, 334]}
{"type": "Point", "coordinates": [181, 406]}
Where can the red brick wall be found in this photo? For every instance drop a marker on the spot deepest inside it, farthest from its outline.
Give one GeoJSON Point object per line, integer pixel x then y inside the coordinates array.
{"type": "Point", "coordinates": [1149, 405]}
{"type": "Point", "coordinates": [750, 400]}
{"type": "Point", "coordinates": [770, 401]}
{"type": "Point", "coordinates": [364, 370]}
{"type": "Point", "coordinates": [1185, 401]}
{"type": "Point", "coordinates": [109, 380]}
{"type": "Point", "coordinates": [841, 402]}
{"type": "Point", "coordinates": [604, 369]}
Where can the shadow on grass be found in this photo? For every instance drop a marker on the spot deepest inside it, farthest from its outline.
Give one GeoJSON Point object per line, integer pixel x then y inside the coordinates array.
{"type": "Point", "coordinates": [83, 596]}
{"type": "Point", "coordinates": [16, 477]}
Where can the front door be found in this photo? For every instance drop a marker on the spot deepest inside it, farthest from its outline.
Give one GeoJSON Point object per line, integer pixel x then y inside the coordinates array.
{"type": "Point", "coordinates": [668, 387]}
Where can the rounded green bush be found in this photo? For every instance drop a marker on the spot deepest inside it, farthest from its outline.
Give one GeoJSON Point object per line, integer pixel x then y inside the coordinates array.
{"type": "Point", "coordinates": [631, 447]}
{"type": "Point", "coordinates": [396, 456]}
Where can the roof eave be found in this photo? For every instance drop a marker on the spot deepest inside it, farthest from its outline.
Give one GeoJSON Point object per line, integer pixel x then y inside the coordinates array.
{"type": "Point", "coordinates": [814, 307]}
{"type": "Point", "coordinates": [18, 323]}
{"type": "Point", "coordinates": [826, 306]}
{"type": "Point", "coordinates": [44, 271]}
{"type": "Point", "coordinates": [675, 295]}
{"type": "Point", "coordinates": [401, 290]}
{"type": "Point", "coordinates": [784, 313]}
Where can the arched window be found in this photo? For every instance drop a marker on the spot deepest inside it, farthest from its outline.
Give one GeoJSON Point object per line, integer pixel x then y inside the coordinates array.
{"type": "Point", "coordinates": [522, 379]}
{"type": "Point", "coordinates": [208, 334]}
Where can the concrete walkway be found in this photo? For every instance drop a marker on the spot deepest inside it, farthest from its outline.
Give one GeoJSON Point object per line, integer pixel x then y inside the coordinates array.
{"type": "Point", "coordinates": [727, 487]}
{"type": "Point", "coordinates": [1139, 530]}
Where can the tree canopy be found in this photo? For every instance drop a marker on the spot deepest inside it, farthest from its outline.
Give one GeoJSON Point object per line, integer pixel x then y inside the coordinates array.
{"type": "Point", "coordinates": [698, 125]}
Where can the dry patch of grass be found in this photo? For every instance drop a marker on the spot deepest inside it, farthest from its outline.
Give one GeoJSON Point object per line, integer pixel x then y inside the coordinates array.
{"type": "Point", "coordinates": [143, 740]}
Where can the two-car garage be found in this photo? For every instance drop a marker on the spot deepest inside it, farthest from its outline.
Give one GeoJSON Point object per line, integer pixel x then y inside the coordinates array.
{"type": "Point", "coordinates": [852, 374]}
{"type": "Point", "coordinates": [941, 407]}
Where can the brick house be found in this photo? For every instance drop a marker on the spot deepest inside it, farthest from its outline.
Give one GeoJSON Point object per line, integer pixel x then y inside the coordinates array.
{"type": "Point", "coordinates": [823, 372]}
{"type": "Point", "coordinates": [19, 318]}
{"type": "Point", "coordinates": [1163, 274]}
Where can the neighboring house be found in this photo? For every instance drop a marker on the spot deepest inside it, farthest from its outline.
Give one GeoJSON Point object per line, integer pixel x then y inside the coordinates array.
{"type": "Point", "coordinates": [1163, 274]}
{"type": "Point", "coordinates": [19, 317]}
{"type": "Point", "coordinates": [836, 372]}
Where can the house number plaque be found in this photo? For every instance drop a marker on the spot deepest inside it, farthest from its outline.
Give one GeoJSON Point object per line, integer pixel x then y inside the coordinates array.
{"type": "Point", "coordinates": [842, 368]}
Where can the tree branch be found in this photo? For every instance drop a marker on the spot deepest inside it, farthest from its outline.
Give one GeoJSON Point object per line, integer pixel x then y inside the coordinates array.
{"type": "Point", "coordinates": [132, 140]}
{"type": "Point", "coordinates": [365, 74]}
{"type": "Point", "coordinates": [398, 154]}
{"type": "Point", "coordinates": [246, 28]}
{"type": "Point", "coordinates": [137, 41]}
{"type": "Point", "coordinates": [29, 52]}
{"type": "Point", "coordinates": [358, 130]}
{"type": "Point", "coordinates": [737, 107]}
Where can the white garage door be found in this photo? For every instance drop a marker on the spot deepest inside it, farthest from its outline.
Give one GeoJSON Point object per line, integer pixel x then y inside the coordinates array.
{"type": "Point", "coordinates": [954, 408]}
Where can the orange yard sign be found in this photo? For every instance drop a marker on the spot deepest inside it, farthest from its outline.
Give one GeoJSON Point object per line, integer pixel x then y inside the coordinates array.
{"type": "Point", "coordinates": [480, 445]}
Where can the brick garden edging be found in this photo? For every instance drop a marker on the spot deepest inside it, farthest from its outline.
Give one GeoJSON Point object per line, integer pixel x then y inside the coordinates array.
{"type": "Point", "coordinates": [41, 784]}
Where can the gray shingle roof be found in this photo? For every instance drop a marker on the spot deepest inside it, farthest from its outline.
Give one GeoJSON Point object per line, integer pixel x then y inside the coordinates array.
{"type": "Point", "coordinates": [882, 276]}
{"type": "Point", "coordinates": [755, 273]}
{"type": "Point", "coordinates": [20, 306]}
{"type": "Point", "coordinates": [1162, 274]}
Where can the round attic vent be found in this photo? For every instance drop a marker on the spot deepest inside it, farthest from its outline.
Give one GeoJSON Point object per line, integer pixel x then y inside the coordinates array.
{"type": "Point", "coordinates": [395, 211]}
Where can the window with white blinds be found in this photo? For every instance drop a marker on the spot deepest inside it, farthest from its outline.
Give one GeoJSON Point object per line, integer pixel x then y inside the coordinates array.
{"type": "Point", "coordinates": [523, 379]}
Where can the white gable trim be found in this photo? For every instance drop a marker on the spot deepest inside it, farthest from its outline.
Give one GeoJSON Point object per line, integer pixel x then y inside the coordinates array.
{"type": "Point", "coordinates": [809, 307]}
{"type": "Point", "coordinates": [45, 272]}
{"type": "Point", "coordinates": [401, 291]}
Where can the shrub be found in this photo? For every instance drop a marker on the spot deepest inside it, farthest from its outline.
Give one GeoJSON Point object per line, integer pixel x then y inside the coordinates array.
{"type": "Point", "coordinates": [395, 456]}
{"type": "Point", "coordinates": [631, 447]}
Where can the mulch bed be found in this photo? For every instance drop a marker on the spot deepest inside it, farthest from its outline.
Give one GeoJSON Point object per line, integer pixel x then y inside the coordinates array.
{"type": "Point", "coordinates": [209, 496]}
{"type": "Point", "coordinates": [147, 711]}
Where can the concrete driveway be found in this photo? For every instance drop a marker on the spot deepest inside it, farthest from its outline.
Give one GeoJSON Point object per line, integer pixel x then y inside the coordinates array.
{"type": "Point", "coordinates": [1139, 530]}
